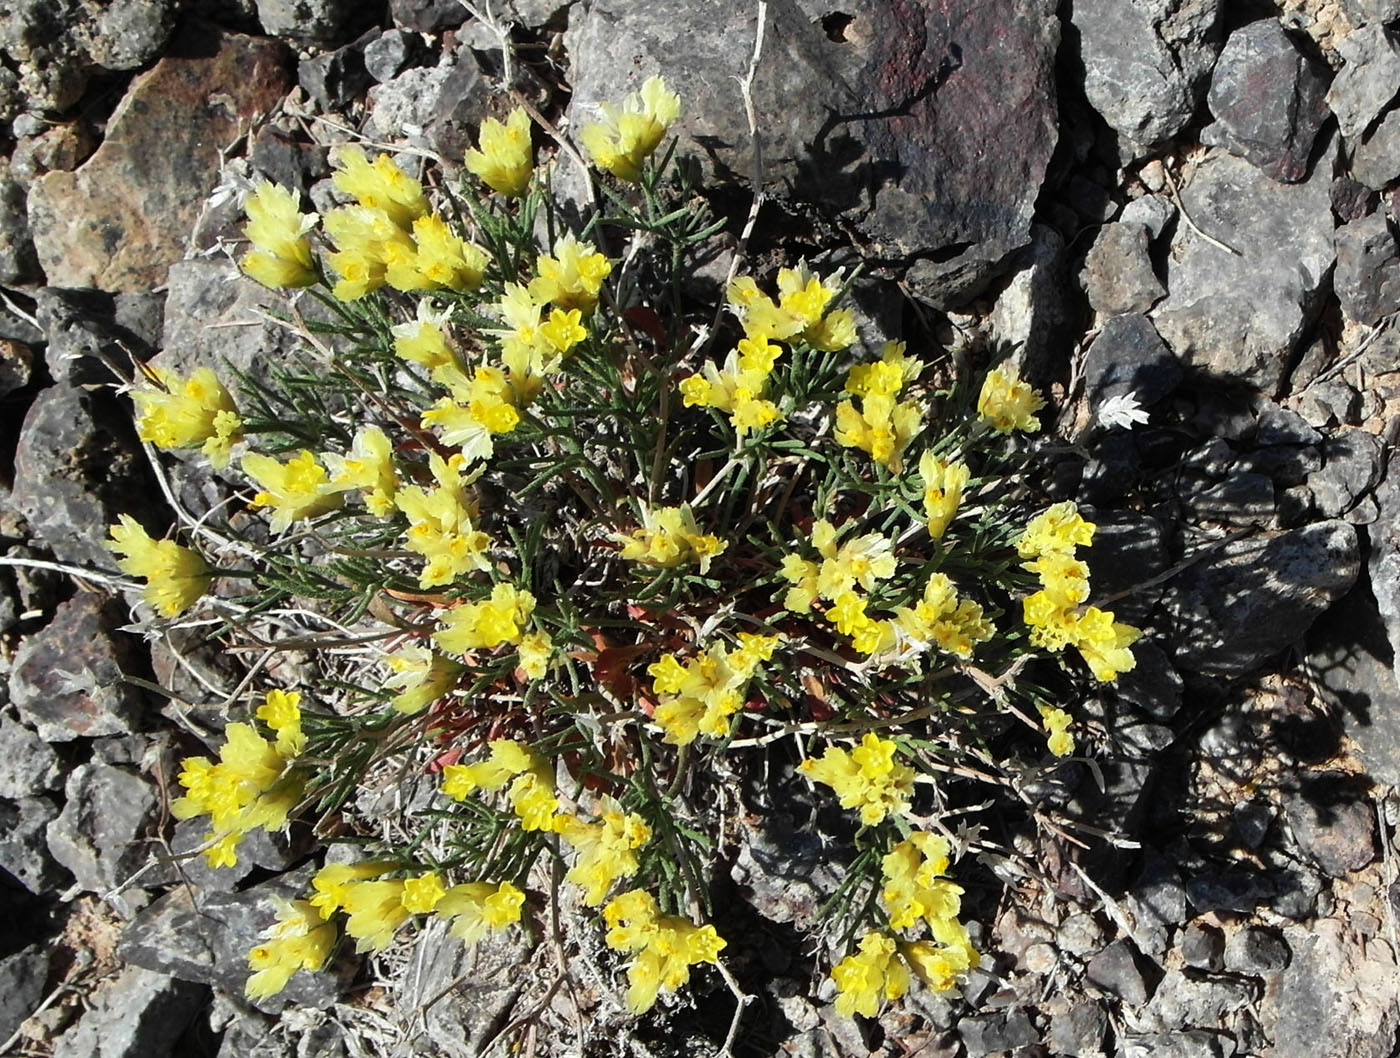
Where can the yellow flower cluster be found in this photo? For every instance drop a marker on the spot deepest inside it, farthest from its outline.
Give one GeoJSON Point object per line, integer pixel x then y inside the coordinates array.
{"type": "Point", "coordinates": [570, 279]}
{"type": "Point", "coordinates": [668, 537]}
{"type": "Point", "coordinates": [1055, 614]}
{"type": "Point", "coordinates": [1057, 722]}
{"type": "Point", "coordinates": [476, 909]}
{"type": "Point", "coordinates": [943, 489]}
{"type": "Point", "coordinates": [504, 163]}
{"type": "Point", "coordinates": [607, 849]}
{"type": "Point", "coordinates": [252, 786]}
{"type": "Point", "coordinates": [699, 696]}
{"type": "Point", "coordinates": [486, 624]}
{"type": "Point", "coordinates": [867, 777]}
{"type": "Point", "coordinates": [176, 577]}
{"type": "Point", "coordinates": [879, 970]}
{"type": "Point", "coordinates": [281, 255]}
{"type": "Point", "coordinates": [300, 939]}
{"type": "Point", "coordinates": [858, 563]}
{"type": "Point", "coordinates": [442, 524]}
{"type": "Point", "coordinates": [389, 235]}
{"type": "Point", "coordinates": [884, 425]}
{"type": "Point", "coordinates": [799, 315]}
{"type": "Point", "coordinates": [295, 490]}
{"type": "Point", "coordinates": [195, 412]}
{"type": "Point", "coordinates": [1006, 403]}
{"type": "Point", "coordinates": [419, 677]}
{"type": "Point", "coordinates": [368, 467]}
{"type": "Point", "coordinates": [628, 135]}
{"type": "Point", "coordinates": [530, 779]}
{"type": "Point", "coordinates": [665, 946]}
{"type": "Point", "coordinates": [941, 619]}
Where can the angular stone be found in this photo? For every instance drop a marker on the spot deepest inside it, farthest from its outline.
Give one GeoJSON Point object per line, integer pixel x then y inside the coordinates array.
{"type": "Point", "coordinates": [22, 979]}
{"type": "Point", "coordinates": [387, 54]}
{"type": "Point", "coordinates": [207, 942]}
{"type": "Point", "coordinates": [1352, 200]}
{"type": "Point", "coordinates": [335, 79]}
{"type": "Point", "coordinates": [1145, 65]}
{"type": "Point", "coordinates": [312, 23]}
{"type": "Point", "coordinates": [1241, 315]}
{"type": "Point", "coordinates": [1340, 835]}
{"type": "Point", "coordinates": [18, 263]}
{"type": "Point", "coordinates": [1118, 275]}
{"type": "Point", "coordinates": [1367, 279]}
{"type": "Point", "coordinates": [986, 1034]}
{"type": "Point", "coordinates": [1195, 1043]}
{"type": "Point", "coordinates": [487, 986]}
{"type": "Point", "coordinates": [16, 366]}
{"type": "Point", "coordinates": [1351, 468]}
{"type": "Point", "coordinates": [429, 16]}
{"type": "Point", "coordinates": [1253, 597]}
{"type": "Point", "coordinates": [1115, 970]}
{"type": "Point", "coordinates": [1256, 950]}
{"type": "Point", "coordinates": [28, 765]}
{"type": "Point", "coordinates": [1362, 12]}
{"type": "Point", "coordinates": [67, 677]}
{"type": "Point", "coordinates": [81, 324]}
{"type": "Point", "coordinates": [137, 1014]}
{"type": "Point", "coordinates": [929, 128]}
{"type": "Point", "coordinates": [1203, 946]}
{"type": "Point", "coordinates": [1384, 561]}
{"type": "Point", "coordinates": [405, 105]}
{"type": "Point", "coordinates": [104, 833]}
{"type": "Point", "coordinates": [24, 852]}
{"type": "Point", "coordinates": [1268, 100]}
{"type": "Point", "coordinates": [1029, 314]}
{"type": "Point", "coordinates": [1375, 161]}
{"type": "Point", "coordinates": [787, 873]}
{"type": "Point", "coordinates": [1128, 357]}
{"type": "Point", "coordinates": [1368, 80]}
{"type": "Point", "coordinates": [121, 220]}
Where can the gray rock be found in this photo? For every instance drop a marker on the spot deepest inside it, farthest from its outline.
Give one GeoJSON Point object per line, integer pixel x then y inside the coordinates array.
{"type": "Point", "coordinates": [996, 1033]}
{"type": "Point", "coordinates": [1277, 425]}
{"type": "Point", "coordinates": [1203, 946]}
{"type": "Point", "coordinates": [1129, 357]}
{"type": "Point", "coordinates": [1368, 78]}
{"type": "Point", "coordinates": [138, 1014]}
{"type": "Point", "coordinates": [1268, 100]}
{"type": "Point", "coordinates": [276, 851]}
{"type": "Point", "coordinates": [1195, 1043]}
{"type": "Point", "coordinates": [1252, 597]}
{"type": "Point", "coordinates": [27, 763]}
{"type": "Point", "coordinates": [67, 677]}
{"type": "Point", "coordinates": [1117, 275]}
{"type": "Point", "coordinates": [428, 16]}
{"type": "Point", "coordinates": [1153, 212]}
{"type": "Point", "coordinates": [1146, 65]}
{"type": "Point", "coordinates": [24, 851]}
{"type": "Point", "coordinates": [928, 129]}
{"type": "Point", "coordinates": [1185, 998]}
{"type": "Point", "coordinates": [1351, 467]}
{"type": "Point", "coordinates": [1115, 970]}
{"type": "Point", "coordinates": [1079, 1031]}
{"type": "Point", "coordinates": [22, 979]}
{"type": "Point", "coordinates": [311, 23]}
{"type": "Point", "coordinates": [336, 78]}
{"type": "Point", "coordinates": [1128, 549]}
{"type": "Point", "coordinates": [1241, 499]}
{"type": "Point", "coordinates": [1361, 12]}
{"type": "Point", "coordinates": [1241, 316]}
{"type": "Point", "coordinates": [1152, 685]}
{"type": "Point", "coordinates": [18, 261]}
{"type": "Point", "coordinates": [1375, 161]}
{"type": "Point", "coordinates": [788, 873]}
{"type": "Point", "coordinates": [1367, 279]}
{"type": "Point", "coordinates": [1340, 836]}
{"type": "Point", "coordinates": [1351, 199]}
{"type": "Point", "coordinates": [104, 832]}
{"type": "Point", "coordinates": [1240, 891]}
{"type": "Point", "coordinates": [387, 54]}
{"type": "Point", "coordinates": [16, 366]}
{"type": "Point", "coordinates": [464, 97]}
{"type": "Point", "coordinates": [1252, 820]}
{"type": "Point", "coordinates": [1256, 951]}
{"type": "Point", "coordinates": [1335, 1000]}
{"type": "Point", "coordinates": [81, 324]}
{"type": "Point", "coordinates": [1157, 904]}
{"type": "Point", "coordinates": [1384, 560]}
{"type": "Point", "coordinates": [406, 104]}
{"type": "Point", "coordinates": [1079, 934]}
{"type": "Point", "coordinates": [208, 942]}
{"type": "Point", "coordinates": [1029, 314]}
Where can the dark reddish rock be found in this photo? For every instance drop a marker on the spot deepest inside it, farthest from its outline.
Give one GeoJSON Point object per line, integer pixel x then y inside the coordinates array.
{"type": "Point", "coordinates": [1269, 100]}
{"type": "Point", "coordinates": [119, 221]}
{"type": "Point", "coordinates": [67, 677]}
{"type": "Point", "coordinates": [926, 127]}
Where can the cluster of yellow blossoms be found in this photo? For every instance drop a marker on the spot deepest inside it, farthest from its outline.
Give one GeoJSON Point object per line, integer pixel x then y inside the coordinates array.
{"type": "Point", "coordinates": [664, 947]}
{"type": "Point", "coordinates": [800, 315]}
{"type": "Point", "coordinates": [176, 577]}
{"type": "Point", "coordinates": [700, 695]}
{"type": "Point", "coordinates": [629, 134]}
{"type": "Point", "coordinates": [669, 536]}
{"type": "Point", "coordinates": [867, 777]}
{"type": "Point", "coordinates": [884, 425]}
{"type": "Point", "coordinates": [194, 412]}
{"type": "Point", "coordinates": [254, 785]}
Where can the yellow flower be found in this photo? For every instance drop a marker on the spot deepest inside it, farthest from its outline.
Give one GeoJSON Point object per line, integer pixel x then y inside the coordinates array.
{"type": "Point", "coordinates": [298, 940]}
{"type": "Point", "coordinates": [804, 297]}
{"type": "Point", "coordinates": [736, 388]}
{"type": "Point", "coordinates": [1059, 741]}
{"type": "Point", "coordinates": [1104, 642]}
{"type": "Point", "coordinates": [379, 185]}
{"type": "Point", "coordinates": [281, 712]}
{"type": "Point", "coordinates": [943, 488]}
{"type": "Point", "coordinates": [873, 974]}
{"type": "Point", "coordinates": [1057, 530]}
{"type": "Point", "coordinates": [535, 651]}
{"type": "Point", "coordinates": [529, 774]}
{"type": "Point", "coordinates": [176, 577]}
{"type": "Point", "coordinates": [422, 893]}
{"type": "Point", "coordinates": [281, 254]}
{"type": "Point", "coordinates": [443, 261]}
{"type": "Point", "coordinates": [188, 413]}
{"type": "Point", "coordinates": [479, 408]}
{"type": "Point", "coordinates": [627, 136]}
{"type": "Point", "coordinates": [700, 696]}
{"type": "Point", "coordinates": [943, 620]}
{"type": "Point", "coordinates": [868, 778]}
{"type": "Point", "coordinates": [665, 946]}
{"type": "Point", "coordinates": [1006, 403]}
{"type": "Point", "coordinates": [913, 887]}
{"type": "Point", "coordinates": [606, 849]}
{"type": "Point", "coordinates": [328, 884]}
{"type": "Point", "coordinates": [441, 525]}
{"type": "Point", "coordinates": [882, 426]}
{"type": "Point", "coordinates": [504, 161]}
{"type": "Point", "coordinates": [375, 912]}
{"type": "Point", "coordinates": [482, 625]}
{"type": "Point", "coordinates": [940, 964]}
{"type": "Point", "coordinates": [668, 537]}
{"type": "Point", "coordinates": [367, 467]}
{"type": "Point", "coordinates": [423, 342]}
{"type": "Point", "coordinates": [295, 490]}
{"type": "Point", "coordinates": [420, 677]}
{"type": "Point", "coordinates": [478, 908]}
{"type": "Point", "coordinates": [572, 278]}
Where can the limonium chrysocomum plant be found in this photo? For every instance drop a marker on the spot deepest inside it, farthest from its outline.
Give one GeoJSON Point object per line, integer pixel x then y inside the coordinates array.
{"type": "Point", "coordinates": [585, 548]}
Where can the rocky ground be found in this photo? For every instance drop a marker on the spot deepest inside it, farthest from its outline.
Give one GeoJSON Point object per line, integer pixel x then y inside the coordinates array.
{"type": "Point", "coordinates": [1190, 201]}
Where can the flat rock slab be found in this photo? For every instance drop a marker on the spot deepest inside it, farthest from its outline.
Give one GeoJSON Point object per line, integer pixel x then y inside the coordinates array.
{"type": "Point", "coordinates": [928, 127]}
{"type": "Point", "coordinates": [1239, 315]}
{"type": "Point", "coordinates": [122, 218]}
